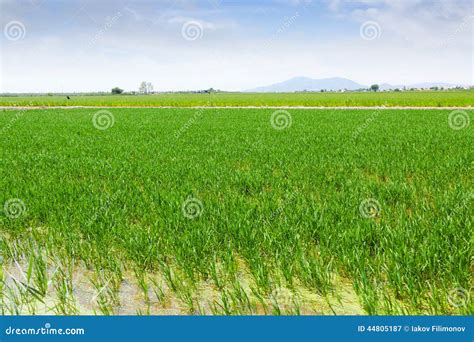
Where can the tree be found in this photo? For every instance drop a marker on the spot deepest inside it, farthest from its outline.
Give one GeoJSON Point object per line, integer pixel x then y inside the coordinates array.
{"type": "Point", "coordinates": [145, 88]}
{"type": "Point", "coordinates": [142, 88]}
{"type": "Point", "coordinates": [149, 88]}
{"type": "Point", "coordinates": [117, 90]}
{"type": "Point", "coordinates": [374, 87]}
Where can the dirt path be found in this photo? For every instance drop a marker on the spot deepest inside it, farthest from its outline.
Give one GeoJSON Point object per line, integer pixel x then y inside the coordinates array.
{"type": "Point", "coordinates": [231, 107]}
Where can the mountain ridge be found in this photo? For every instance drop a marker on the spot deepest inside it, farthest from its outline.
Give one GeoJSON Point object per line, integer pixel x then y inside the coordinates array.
{"type": "Point", "coordinates": [335, 83]}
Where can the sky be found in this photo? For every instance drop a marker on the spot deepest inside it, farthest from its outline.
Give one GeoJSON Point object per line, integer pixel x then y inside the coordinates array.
{"type": "Point", "coordinates": [94, 45]}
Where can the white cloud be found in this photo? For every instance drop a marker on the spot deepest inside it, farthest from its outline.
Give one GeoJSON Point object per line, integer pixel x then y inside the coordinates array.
{"type": "Point", "coordinates": [421, 41]}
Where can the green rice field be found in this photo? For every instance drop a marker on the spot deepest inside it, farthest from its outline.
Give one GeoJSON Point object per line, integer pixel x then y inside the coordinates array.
{"type": "Point", "coordinates": [237, 211]}
{"type": "Point", "coordinates": [454, 98]}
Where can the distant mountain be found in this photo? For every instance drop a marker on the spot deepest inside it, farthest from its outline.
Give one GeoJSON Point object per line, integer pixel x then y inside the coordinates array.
{"type": "Point", "coordinates": [386, 86]}
{"type": "Point", "coordinates": [310, 84]}
{"type": "Point", "coordinates": [434, 84]}
{"type": "Point", "coordinates": [335, 83]}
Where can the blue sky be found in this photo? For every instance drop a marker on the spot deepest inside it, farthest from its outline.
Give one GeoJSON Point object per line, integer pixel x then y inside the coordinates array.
{"type": "Point", "coordinates": [87, 45]}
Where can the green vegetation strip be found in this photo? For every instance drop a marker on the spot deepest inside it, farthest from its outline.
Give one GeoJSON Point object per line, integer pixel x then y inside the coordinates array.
{"type": "Point", "coordinates": [452, 98]}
